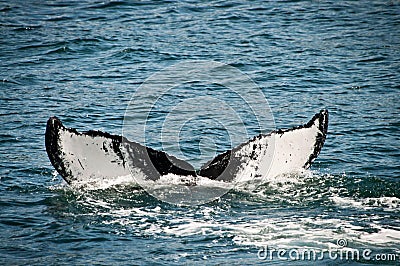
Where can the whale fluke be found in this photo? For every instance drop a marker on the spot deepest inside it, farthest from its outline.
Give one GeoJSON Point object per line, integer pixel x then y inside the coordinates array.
{"type": "Point", "coordinates": [96, 155]}
{"type": "Point", "coordinates": [267, 156]}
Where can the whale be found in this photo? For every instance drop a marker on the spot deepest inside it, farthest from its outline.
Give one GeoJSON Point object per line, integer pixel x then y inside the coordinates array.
{"type": "Point", "coordinates": [97, 155]}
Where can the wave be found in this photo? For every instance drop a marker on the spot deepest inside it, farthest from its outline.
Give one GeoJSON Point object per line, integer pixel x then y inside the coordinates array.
{"type": "Point", "coordinates": [307, 209]}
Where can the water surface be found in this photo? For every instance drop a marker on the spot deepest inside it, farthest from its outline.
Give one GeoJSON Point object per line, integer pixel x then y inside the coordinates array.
{"type": "Point", "coordinates": [82, 60]}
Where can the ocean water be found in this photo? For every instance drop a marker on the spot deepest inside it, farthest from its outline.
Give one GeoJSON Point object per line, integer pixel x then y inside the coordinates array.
{"type": "Point", "coordinates": [83, 60]}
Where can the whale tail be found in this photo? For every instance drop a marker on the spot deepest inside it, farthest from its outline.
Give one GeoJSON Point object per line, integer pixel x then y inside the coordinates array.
{"type": "Point", "coordinates": [96, 155]}
{"type": "Point", "coordinates": [80, 156]}
{"type": "Point", "coordinates": [273, 154]}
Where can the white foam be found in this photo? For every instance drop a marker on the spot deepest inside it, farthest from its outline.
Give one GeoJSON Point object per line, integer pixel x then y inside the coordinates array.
{"type": "Point", "coordinates": [105, 183]}
{"type": "Point", "coordinates": [250, 228]}
{"type": "Point", "coordinates": [386, 203]}
{"type": "Point", "coordinates": [383, 237]}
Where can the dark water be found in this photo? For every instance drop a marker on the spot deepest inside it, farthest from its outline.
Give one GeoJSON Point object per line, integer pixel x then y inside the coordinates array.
{"type": "Point", "coordinates": [82, 60]}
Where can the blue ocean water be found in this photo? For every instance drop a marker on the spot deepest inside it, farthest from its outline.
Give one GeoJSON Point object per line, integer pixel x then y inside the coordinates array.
{"type": "Point", "coordinates": [82, 60]}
